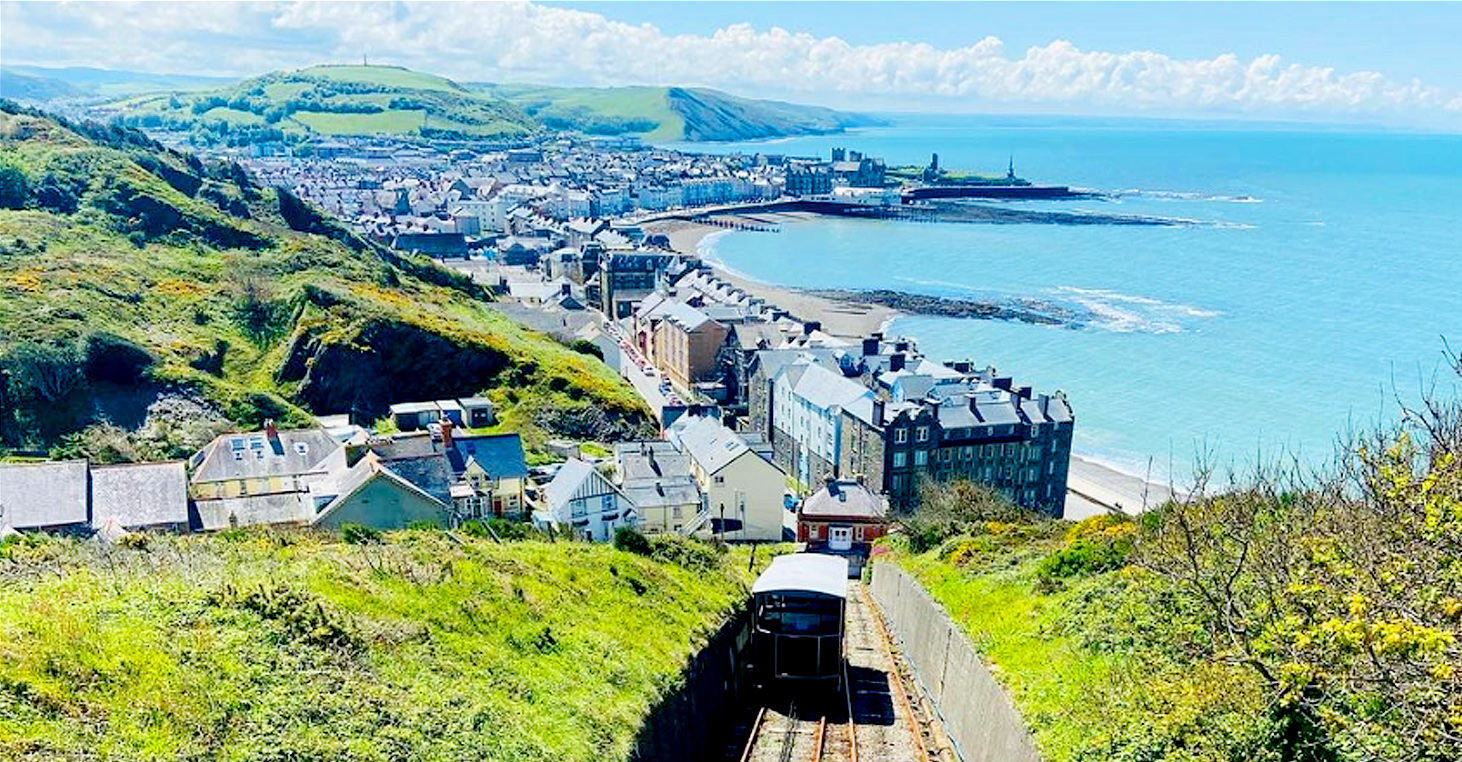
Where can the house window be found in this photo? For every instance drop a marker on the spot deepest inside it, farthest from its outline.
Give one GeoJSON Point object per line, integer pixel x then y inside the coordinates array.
{"type": "Point", "coordinates": [720, 479]}
{"type": "Point", "coordinates": [921, 434]}
{"type": "Point", "coordinates": [606, 503]}
{"type": "Point", "coordinates": [676, 514]}
{"type": "Point", "coordinates": [900, 436]}
{"type": "Point", "coordinates": [897, 482]}
{"type": "Point", "coordinates": [921, 457]}
{"type": "Point", "coordinates": [900, 459]}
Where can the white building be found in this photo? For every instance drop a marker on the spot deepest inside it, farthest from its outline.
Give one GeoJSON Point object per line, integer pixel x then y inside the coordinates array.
{"type": "Point", "coordinates": [807, 412]}
{"type": "Point", "coordinates": [583, 501]}
{"type": "Point", "coordinates": [743, 490]}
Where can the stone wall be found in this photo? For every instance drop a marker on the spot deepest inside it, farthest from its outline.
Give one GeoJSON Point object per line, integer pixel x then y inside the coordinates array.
{"type": "Point", "coordinates": [696, 719]}
{"type": "Point", "coordinates": [978, 715]}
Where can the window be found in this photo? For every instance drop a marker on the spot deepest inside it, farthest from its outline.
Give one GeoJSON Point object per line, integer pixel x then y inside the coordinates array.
{"type": "Point", "coordinates": [676, 513]}
{"type": "Point", "coordinates": [921, 434]}
{"type": "Point", "coordinates": [900, 436]}
{"type": "Point", "coordinates": [921, 457]}
{"type": "Point", "coordinates": [720, 479]}
{"type": "Point", "coordinates": [606, 503]}
{"type": "Point", "coordinates": [900, 459]}
{"type": "Point", "coordinates": [897, 482]}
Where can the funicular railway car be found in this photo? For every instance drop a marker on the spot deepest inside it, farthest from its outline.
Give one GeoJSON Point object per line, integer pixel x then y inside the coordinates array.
{"type": "Point", "coordinates": [797, 615]}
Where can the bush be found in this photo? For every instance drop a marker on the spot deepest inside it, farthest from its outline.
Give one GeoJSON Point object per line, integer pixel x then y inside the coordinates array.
{"type": "Point", "coordinates": [110, 357]}
{"type": "Point", "coordinates": [586, 347]}
{"type": "Point", "coordinates": [359, 534]}
{"type": "Point", "coordinates": [14, 189]}
{"type": "Point", "coordinates": [43, 372]}
{"type": "Point", "coordinates": [696, 555]}
{"type": "Point", "coordinates": [629, 540]}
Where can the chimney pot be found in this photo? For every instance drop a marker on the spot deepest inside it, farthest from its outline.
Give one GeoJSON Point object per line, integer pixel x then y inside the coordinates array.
{"type": "Point", "coordinates": [271, 431]}
{"type": "Point", "coordinates": [446, 433]}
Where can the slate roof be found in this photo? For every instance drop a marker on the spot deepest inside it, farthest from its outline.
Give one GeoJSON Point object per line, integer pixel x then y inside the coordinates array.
{"type": "Point", "coordinates": [852, 501]}
{"type": "Point", "coordinates": [709, 442]}
{"type": "Point", "coordinates": [825, 389]}
{"type": "Point", "coordinates": [500, 455]}
{"type": "Point", "coordinates": [283, 508]}
{"type": "Point", "coordinates": [663, 492]}
{"type": "Point", "coordinates": [367, 470]}
{"type": "Point", "coordinates": [430, 474]}
{"type": "Point", "coordinates": [139, 494]}
{"type": "Point", "coordinates": [293, 453]}
{"type": "Point", "coordinates": [35, 495]}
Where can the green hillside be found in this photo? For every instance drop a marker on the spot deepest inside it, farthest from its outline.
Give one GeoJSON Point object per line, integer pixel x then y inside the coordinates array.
{"type": "Point", "coordinates": [328, 100]}
{"type": "Point", "coordinates": [131, 274]}
{"type": "Point", "coordinates": [1287, 618]}
{"type": "Point", "coordinates": [259, 646]}
{"type": "Point", "coordinates": [365, 100]}
{"type": "Point", "coordinates": [82, 81]}
{"type": "Point", "coordinates": [664, 114]}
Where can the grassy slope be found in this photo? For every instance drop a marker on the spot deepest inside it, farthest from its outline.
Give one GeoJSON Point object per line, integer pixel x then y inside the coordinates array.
{"type": "Point", "coordinates": [427, 648]}
{"type": "Point", "coordinates": [448, 105]}
{"type": "Point", "coordinates": [1073, 658]}
{"type": "Point", "coordinates": [175, 291]}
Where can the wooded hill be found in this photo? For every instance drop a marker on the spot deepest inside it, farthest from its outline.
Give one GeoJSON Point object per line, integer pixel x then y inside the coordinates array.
{"type": "Point", "coordinates": [143, 289]}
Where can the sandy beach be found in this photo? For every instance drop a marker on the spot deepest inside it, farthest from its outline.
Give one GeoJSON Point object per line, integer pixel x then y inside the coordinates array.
{"type": "Point", "coordinates": [841, 319]}
{"type": "Point", "coordinates": [1093, 488]}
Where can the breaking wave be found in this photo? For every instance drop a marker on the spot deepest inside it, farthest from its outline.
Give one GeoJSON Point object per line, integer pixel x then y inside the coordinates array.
{"type": "Point", "coordinates": [1185, 196]}
{"type": "Point", "coordinates": [1126, 313]}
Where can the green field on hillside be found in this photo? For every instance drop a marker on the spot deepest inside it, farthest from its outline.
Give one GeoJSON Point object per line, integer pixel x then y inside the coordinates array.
{"type": "Point", "coordinates": [257, 645]}
{"type": "Point", "coordinates": [244, 300]}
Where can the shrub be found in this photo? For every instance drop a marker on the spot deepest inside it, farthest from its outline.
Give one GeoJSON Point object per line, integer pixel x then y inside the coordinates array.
{"type": "Point", "coordinates": [696, 555]}
{"type": "Point", "coordinates": [586, 347]}
{"type": "Point", "coordinates": [14, 189]}
{"type": "Point", "coordinates": [629, 540]}
{"type": "Point", "coordinates": [44, 372]}
{"type": "Point", "coordinates": [359, 534]}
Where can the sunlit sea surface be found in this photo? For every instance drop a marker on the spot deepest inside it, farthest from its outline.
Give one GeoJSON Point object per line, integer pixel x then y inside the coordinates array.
{"type": "Point", "coordinates": [1320, 285]}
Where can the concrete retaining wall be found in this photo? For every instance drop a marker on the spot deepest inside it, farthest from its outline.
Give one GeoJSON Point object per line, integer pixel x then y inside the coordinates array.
{"type": "Point", "coordinates": [978, 715]}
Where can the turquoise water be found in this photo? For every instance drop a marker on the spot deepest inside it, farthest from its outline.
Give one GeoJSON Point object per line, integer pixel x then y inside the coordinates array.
{"type": "Point", "coordinates": [1321, 285]}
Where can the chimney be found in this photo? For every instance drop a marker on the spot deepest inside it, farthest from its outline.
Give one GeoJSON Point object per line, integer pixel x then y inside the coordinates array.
{"type": "Point", "coordinates": [901, 346]}
{"type": "Point", "coordinates": [896, 362]}
{"type": "Point", "coordinates": [810, 326]}
{"type": "Point", "coordinates": [878, 413]}
{"type": "Point", "coordinates": [563, 290]}
{"type": "Point", "coordinates": [963, 366]}
{"type": "Point", "coordinates": [270, 431]}
{"type": "Point", "coordinates": [1001, 383]}
{"type": "Point", "coordinates": [832, 486]}
{"type": "Point", "coordinates": [1025, 391]}
{"type": "Point", "coordinates": [446, 433]}
{"type": "Point", "coordinates": [870, 347]}
{"type": "Point", "coordinates": [878, 336]}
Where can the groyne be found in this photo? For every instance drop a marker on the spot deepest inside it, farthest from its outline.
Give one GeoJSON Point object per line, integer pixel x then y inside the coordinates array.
{"type": "Point", "coordinates": [978, 715]}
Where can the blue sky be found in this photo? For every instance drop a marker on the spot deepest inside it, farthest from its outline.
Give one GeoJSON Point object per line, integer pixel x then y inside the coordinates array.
{"type": "Point", "coordinates": [1400, 40]}
{"type": "Point", "coordinates": [1390, 63]}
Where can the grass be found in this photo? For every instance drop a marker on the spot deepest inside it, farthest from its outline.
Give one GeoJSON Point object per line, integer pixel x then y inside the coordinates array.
{"type": "Point", "coordinates": [388, 76]}
{"type": "Point", "coordinates": [259, 646]}
{"type": "Point", "coordinates": [393, 121]}
{"type": "Point", "coordinates": [175, 291]}
{"type": "Point", "coordinates": [1073, 658]}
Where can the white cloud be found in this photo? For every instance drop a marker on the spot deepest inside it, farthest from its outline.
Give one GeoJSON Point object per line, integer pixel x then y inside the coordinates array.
{"type": "Point", "coordinates": [525, 42]}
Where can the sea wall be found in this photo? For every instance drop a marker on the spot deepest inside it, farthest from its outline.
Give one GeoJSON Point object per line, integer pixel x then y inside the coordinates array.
{"type": "Point", "coordinates": [978, 714]}
{"type": "Point", "coordinates": [696, 720]}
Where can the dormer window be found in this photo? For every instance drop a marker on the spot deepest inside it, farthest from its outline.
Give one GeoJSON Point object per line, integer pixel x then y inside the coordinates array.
{"type": "Point", "coordinates": [301, 448]}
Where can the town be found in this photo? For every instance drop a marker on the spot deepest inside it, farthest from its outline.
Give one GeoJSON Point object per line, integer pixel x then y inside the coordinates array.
{"type": "Point", "coordinates": [762, 414]}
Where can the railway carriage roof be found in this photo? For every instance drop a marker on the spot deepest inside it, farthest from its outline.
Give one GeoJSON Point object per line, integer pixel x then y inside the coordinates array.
{"type": "Point", "coordinates": [805, 572]}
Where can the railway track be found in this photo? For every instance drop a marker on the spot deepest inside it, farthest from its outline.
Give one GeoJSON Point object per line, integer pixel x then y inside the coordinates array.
{"type": "Point", "coordinates": [873, 718]}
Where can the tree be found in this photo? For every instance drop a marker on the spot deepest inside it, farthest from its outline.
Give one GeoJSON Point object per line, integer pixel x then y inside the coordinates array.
{"type": "Point", "coordinates": [1342, 592]}
{"type": "Point", "coordinates": [14, 188]}
{"type": "Point", "coordinates": [43, 372]}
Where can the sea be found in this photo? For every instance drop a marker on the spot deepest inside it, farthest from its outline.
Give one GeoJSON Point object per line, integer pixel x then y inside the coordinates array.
{"type": "Point", "coordinates": [1312, 287]}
